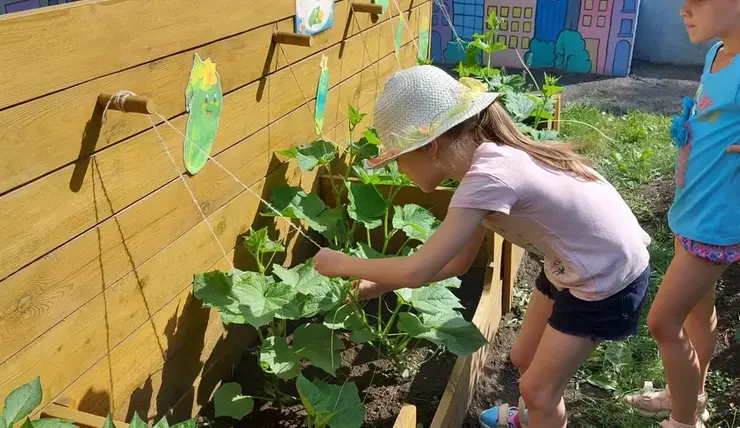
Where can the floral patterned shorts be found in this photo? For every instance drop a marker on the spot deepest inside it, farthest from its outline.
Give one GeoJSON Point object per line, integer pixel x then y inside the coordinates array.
{"type": "Point", "coordinates": [719, 255]}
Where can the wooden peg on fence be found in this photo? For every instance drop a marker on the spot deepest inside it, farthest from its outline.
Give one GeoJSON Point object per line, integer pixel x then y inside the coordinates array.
{"type": "Point", "coordinates": [127, 103]}
{"type": "Point", "coordinates": [371, 8]}
{"type": "Point", "coordinates": [286, 38]}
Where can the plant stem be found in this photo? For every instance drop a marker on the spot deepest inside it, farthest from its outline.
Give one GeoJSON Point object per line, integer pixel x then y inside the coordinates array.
{"type": "Point", "coordinates": [380, 314]}
{"type": "Point", "coordinates": [393, 318]}
{"type": "Point", "coordinates": [369, 239]}
{"type": "Point", "coordinates": [403, 246]}
{"type": "Point", "coordinates": [276, 385]}
{"type": "Point", "coordinates": [333, 184]}
{"type": "Point", "coordinates": [260, 335]}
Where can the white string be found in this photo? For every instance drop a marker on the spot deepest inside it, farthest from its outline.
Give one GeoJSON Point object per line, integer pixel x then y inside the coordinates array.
{"type": "Point", "coordinates": [118, 100]}
{"type": "Point", "coordinates": [275, 210]}
{"type": "Point", "coordinates": [190, 191]}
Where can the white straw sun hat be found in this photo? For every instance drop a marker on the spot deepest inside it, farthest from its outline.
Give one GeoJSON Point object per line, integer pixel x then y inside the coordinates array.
{"type": "Point", "coordinates": [421, 103]}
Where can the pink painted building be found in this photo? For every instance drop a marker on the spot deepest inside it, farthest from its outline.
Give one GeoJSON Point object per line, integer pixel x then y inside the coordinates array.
{"type": "Point", "coordinates": [621, 37]}
{"type": "Point", "coordinates": [516, 31]}
{"type": "Point", "coordinates": [595, 25]}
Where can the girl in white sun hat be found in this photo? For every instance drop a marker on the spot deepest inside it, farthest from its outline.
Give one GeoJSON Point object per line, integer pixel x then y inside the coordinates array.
{"type": "Point", "coordinates": [538, 195]}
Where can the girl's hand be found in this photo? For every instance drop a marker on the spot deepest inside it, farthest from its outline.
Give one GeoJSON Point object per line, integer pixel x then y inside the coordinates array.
{"type": "Point", "coordinates": [329, 262]}
{"type": "Point", "coordinates": [369, 290]}
{"type": "Point", "coordinates": [734, 148]}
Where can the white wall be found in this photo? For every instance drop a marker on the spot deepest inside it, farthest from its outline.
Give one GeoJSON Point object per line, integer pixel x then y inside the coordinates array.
{"type": "Point", "coordinates": [661, 37]}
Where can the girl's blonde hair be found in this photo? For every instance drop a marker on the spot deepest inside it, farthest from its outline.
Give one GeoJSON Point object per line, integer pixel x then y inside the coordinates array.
{"type": "Point", "coordinates": [495, 125]}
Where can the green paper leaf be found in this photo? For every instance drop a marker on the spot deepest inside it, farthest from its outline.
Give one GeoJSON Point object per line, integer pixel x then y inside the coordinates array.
{"type": "Point", "coordinates": [229, 401]}
{"type": "Point", "coordinates": [190, 423]}
{"type": "Point", "coordinates": [415, 221]}
{"type": "Point", "coordinates": [431, 299]}
{"type": "Point", "coordinates": [322, 90]}
{"type": "Point", "coordinates": [137, 422]}
{"type": "Point", "coordinates": [109, 422]}
{"type": "Point", "coordinates": [449, 329]}
{"type": "Point", "coordinates": [258, 242]}
{"type": "Point", "coordinates": [519, 106]}
{"type": "Point", "coordinates": [204, 102]}
{"type": "Point", "coordinates": [355, 117]}
{"type": "Point", "coordinates": [52, 423]}
{"type": "Point", "coordinates": [318, 344]}
{"type": "Point", "coordinates": [162, 423]}
{"type": "Point", "coordinates": [423, 39]}
{"type": "Point", "coordinates": [309, 156]}
{"type": "Point", "coordinates": [21, 402]}
{"type": "Point", "coordinates": [339, 406]}
{"type": "Point", "coordinates": [277, 356]}
{"type": "Point", "coordinates": [398, 39]}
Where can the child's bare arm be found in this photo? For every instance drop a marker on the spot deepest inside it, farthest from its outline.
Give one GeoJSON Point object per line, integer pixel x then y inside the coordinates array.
{"type": "Point", "coordinates": [453, 238]}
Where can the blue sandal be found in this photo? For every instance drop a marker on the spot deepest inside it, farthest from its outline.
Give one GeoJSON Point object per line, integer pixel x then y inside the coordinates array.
{"type": "Point", "coordinates": [504, 416]}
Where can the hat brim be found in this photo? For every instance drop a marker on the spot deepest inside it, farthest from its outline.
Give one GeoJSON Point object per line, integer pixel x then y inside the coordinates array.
{"type": "Point", "coordinates": [482, 102]}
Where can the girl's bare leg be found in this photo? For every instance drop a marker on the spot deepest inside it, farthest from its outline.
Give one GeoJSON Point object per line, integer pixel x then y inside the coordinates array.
{"type": "Point", "coordinates": [535, 321]}
{"type": "Point", "coordinates": [701, 328]}
{"type": "Point", "coordinates": [688, 280]}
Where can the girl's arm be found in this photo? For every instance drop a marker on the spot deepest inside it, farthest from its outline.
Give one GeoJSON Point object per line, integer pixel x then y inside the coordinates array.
{"type": "Point", "coordinates": [456, 232]}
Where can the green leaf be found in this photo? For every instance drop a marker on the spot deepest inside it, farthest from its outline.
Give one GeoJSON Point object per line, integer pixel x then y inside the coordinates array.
{"type": "Point", "coordinates": [137, 422]}
{"type": "Point", "coordinates": [27, 423]}
{"type": "Point", "coordinates": [448, 329]}
{"type": "Point", "coordinates": [258, 242]}
{"type": "Point", "coordinates": [493, 21]}
{"type": "Point", "coordinates": [348, 318]}
{"type": "Point", "coordinates": [277, 356]}
{"type": "Point", "coordinates": [229, 401]}
{"type": "Point", "coordinates": [355, 117]}
{"type": "Point", "coordinates": [453, 282]}
{"type": "Point", "coordinates": [338, 405]}
{"type": "Point", "coordinates": [304, 277]}
{"type": "Point", "coordinates": [366, 204]}
{"type": "Point", "coordinates": [311, 155]}
{"type": "Point", "coordinates": [519, 106]}
{"type": "Point", "coordinates": [371, 136]}
{"type": "Point", "coordinates": [362, 150]}
{"type": "Point", "coordinates": [21, 402]}
{"type": "Point", "coordinates": [603, 382]}
{"type": "Point", "coordinates": [365, 251]}
{"type": "Point", "coordinates": [294, 202]}
{"type": "Point", "coordinates": [431, 299]}
{"type": "Point", "coordinates": [3, 423]}
{"type": "Point", "coordinates": [415, 221]}
{"type": "Point", "coordinates": [162, 423]}
{"type": "Point", "coordinates": [52, 423]}
{"type": "Point", "coordinates": [619, 355]}
{"type": "Point", "coordinates": [737, 334]}
{"type": "Point", "coordinates": [318, 344]}
{"type": "Point", "coordinates": [109, 422]}
{"type": "Point", "coordinates": [190, 423]}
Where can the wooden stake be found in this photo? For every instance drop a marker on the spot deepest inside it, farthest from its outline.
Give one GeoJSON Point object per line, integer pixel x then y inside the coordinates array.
{"type": "Point", "coordinates": [131, 104]}
{"type": "Point", "coordinates": [293, 39]}
{"type": "Point", "coordinates": [371, 8]}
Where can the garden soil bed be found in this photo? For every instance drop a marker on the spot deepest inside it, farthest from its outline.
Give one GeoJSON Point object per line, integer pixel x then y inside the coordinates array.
{"type": "Point", "coordinates": [382, 390]}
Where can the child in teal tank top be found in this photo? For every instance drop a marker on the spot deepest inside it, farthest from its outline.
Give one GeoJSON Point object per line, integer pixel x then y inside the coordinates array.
{"type": "Point", "coordinates": [705, 218]}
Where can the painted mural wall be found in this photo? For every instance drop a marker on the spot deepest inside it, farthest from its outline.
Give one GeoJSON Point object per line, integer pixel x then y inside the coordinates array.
{"type": "Point", "coordinates": [11, 6]}
{"type": "Point", "coordinates": [577, 36]}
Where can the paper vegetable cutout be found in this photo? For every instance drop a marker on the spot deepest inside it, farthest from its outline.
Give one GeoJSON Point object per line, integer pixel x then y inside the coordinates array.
{"type": "Point", "coordinates": [383, 3]}
{"type": "Point", "coordinates": [423, 38]}
{"type": "Point", "coordinates": [313, 16]}
{"type": "Point", "coordinates": [321, 92]}
{"type": "Point", "coordinates": [399, 37]}
{"type": "Point", "coordinates": [204, 101]}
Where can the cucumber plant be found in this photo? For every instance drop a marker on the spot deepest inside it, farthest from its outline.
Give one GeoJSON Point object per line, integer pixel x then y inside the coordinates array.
{"type": "Point", "coordinates": [326, 307]}
{"type": "Point", "coordinates": [21, 402]}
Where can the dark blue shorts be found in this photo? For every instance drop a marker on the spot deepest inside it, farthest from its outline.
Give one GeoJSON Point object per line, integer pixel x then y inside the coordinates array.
{"type": "Point", "coordinates": [613, 318]}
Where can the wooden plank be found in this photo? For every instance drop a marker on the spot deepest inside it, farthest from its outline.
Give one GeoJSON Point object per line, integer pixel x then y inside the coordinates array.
{"type": "Point", "coordinates": [39, 137]}
{"type": "Point", "coordinates": [117, 311]}
{"type": "Point", "coordinates": [512, 259]}
{"type": "Point", "coordinates": [58, 215]}
{"type": "Point", "coordinates": [453, 406]}
{"type": "Point", "coordinates": [406, 418]}
{"type": "Point", "coordinates": [81, 419]}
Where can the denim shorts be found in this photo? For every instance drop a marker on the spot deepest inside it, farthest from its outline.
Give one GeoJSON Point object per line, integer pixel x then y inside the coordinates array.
{"type": "Point", "coordinates": [613, 318]}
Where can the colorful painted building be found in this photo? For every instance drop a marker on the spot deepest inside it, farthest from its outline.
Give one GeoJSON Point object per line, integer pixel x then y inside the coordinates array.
{"type": "Point", "coordinates": [621, 37]}
{"type": "Point", "coordinates": [442, 29]}
{"type": "Point", "coordinates": [11, 6]}
{"type": "Point", "coordinates": [516, 30]}
{"type": "Point", "coordinates": [595, 28]}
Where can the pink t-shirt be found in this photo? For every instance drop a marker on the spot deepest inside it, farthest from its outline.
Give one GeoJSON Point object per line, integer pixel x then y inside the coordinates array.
{"type": "Point", "coordinates": [590, 239]}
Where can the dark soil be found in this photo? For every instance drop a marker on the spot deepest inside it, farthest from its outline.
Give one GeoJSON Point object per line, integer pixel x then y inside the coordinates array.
{"type": "Point", "coordinates": [382, 389]}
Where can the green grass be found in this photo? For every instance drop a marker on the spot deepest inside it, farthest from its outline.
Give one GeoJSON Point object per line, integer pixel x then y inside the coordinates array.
{"type": "Point", "coordinates": [634, 152]}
